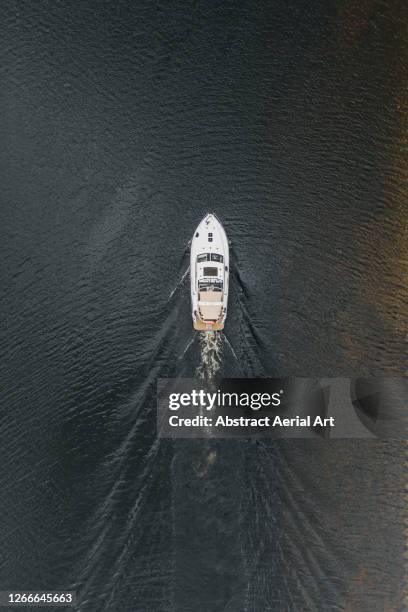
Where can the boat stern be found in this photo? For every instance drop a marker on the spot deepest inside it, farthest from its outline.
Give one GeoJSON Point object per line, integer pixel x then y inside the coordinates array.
{"type": "Point", "coordinates": [208, 326]}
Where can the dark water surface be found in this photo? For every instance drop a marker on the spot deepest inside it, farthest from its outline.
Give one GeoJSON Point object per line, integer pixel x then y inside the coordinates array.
{"type": "Point", "coordinates": [122, 123]}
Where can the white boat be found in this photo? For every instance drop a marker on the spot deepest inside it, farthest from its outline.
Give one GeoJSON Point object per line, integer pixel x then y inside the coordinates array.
{"type": "Point", "coordinates": [209, 274]}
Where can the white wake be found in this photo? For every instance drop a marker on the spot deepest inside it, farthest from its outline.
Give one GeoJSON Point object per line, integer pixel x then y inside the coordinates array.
{"type": "Point", "coordinates": [211, 355]}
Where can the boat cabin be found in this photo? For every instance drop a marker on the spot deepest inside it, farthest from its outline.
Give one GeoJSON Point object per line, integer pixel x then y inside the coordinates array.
{"type": "Point", "coordinates": [210, 275]}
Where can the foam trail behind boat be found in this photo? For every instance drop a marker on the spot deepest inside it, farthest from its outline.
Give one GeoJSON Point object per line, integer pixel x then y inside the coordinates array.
{"type": "Point", "coordinates": [211, 347]}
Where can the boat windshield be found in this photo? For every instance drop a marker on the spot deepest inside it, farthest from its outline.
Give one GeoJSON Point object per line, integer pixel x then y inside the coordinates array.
{"type": "Point", "coordinates": [210, 257]}
{"type": "Point", "coordinates": [210, 285]}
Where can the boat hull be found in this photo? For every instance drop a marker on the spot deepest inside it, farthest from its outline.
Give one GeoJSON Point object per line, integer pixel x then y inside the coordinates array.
{"type": "Point", "coordinates": [209, 305]}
